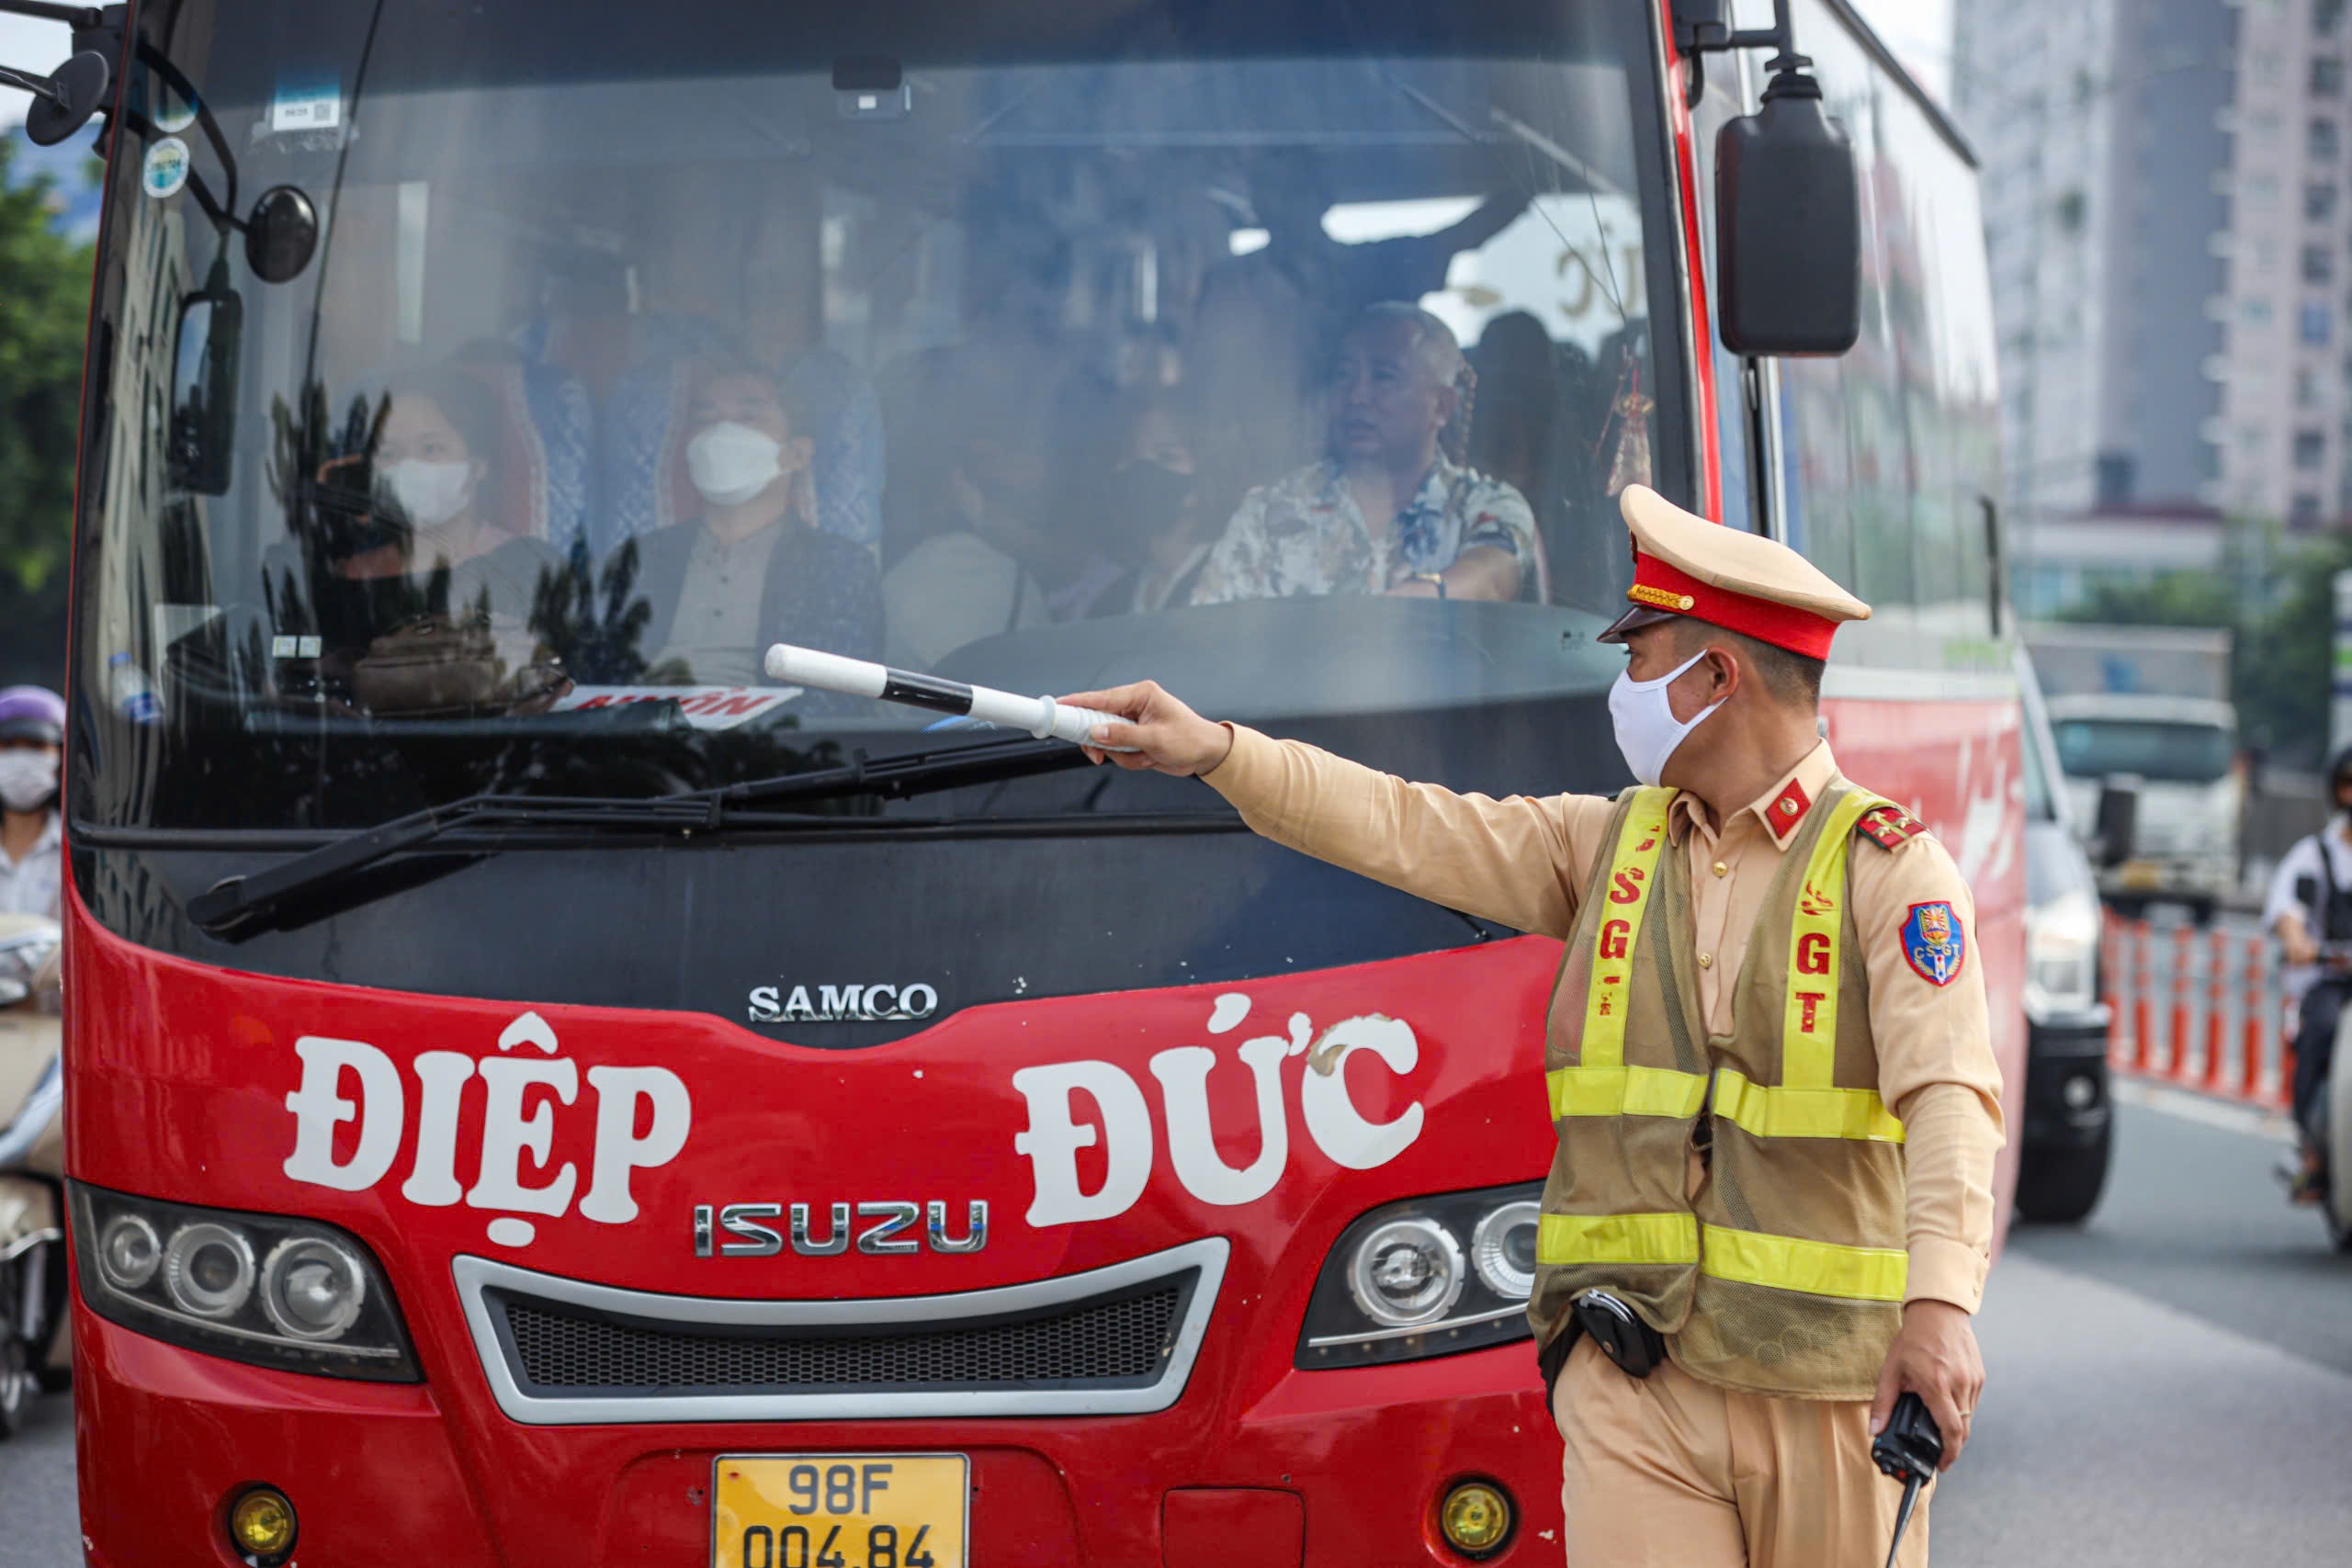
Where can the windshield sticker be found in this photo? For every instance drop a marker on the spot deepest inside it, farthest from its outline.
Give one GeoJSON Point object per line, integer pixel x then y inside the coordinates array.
{"type": "Point", "coordinates": [166, 170]}
{"type": "Point", "coordinates": [1122, 1121]}
{"type": "Point", "coordinates": [172, 112]}
{"type": "Point", "coordinates": [705, 707]}
{"type": "Point", "coordinates": [306, 103]}
{"type": "Point", "coordinates": [521, 1097]}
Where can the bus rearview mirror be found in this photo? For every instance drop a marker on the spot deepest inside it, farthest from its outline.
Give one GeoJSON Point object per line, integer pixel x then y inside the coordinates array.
{"type": "Point", "coordinates": [204, 390]}
{"type": "Point", "coordinates": [1788, 227]}
{"type": "Point", "coordinates": [281, 235]}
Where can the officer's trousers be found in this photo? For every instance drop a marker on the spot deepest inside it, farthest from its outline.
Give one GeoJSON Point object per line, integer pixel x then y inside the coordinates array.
{"type": "Point", "coordinates": [1666, 1472]}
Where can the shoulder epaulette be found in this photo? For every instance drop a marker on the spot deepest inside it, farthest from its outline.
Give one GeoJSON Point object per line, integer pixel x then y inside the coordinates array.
{"type": "Point", "coordinates": [1890, 827]}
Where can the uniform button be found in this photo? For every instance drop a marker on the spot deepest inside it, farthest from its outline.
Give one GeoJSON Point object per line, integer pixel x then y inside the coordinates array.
{"type": "Point", "coordinates": [1706, 961]}
{"type": "Point", "coordinates": [1722, 870]}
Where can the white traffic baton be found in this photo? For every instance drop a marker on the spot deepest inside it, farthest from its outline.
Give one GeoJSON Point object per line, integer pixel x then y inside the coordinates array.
{"type": "Point", "coordinates": [1040, 716]}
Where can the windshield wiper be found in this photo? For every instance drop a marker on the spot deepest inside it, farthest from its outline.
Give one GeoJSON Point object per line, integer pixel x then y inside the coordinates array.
{"type": "Point", "coordinates": [238, 901]}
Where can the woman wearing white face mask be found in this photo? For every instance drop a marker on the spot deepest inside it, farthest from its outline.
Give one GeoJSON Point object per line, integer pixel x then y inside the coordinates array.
{"type": "Point", "coordinates": [434, 462]}
{"type": "Point", "coordinates": [32, 732]}
{"type": "Point", "coordinates": [754, 569]}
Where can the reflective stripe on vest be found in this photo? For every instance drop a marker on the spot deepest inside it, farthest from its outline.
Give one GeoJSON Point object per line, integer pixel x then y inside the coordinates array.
{"type": "Point", "coordinates": [1617, 1238]}
{"type": "Point", "coordinates": [1625, 1091]}
{"type": "Point", "coordinates": [1815, 1268]}
{"type": "Point", "coordinates": [1600, 1084]}
{"type": "Point", "coordinates": [1764, 1112]}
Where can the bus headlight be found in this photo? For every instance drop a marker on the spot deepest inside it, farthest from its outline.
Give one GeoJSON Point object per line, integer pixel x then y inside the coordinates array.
{"type": "Point", "coordinates": [314, 1301]}
{"type": "Point", "coordinates": [207, 1270]}
{"type": "Point", "coordinates": [1407, 1273]}
{"type": "Point", "coordinates": [129, 1252]}
{"type": "Point", "coordinates": [312, 1288]}
{"type": "Point", "coordinates": [2062, 954]}
{"type": "Point", "coordinates": [1503, 1250]}
{"type": "Point", "coordinates": [1426, 1277]}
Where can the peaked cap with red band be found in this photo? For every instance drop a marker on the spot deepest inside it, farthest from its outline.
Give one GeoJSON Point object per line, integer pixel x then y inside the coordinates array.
{"type": "Point", "coordinates": [1684, 565]}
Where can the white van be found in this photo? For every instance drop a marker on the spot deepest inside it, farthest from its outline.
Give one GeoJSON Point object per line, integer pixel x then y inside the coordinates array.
{"type": "Point", "coordinates": [2182, 752]}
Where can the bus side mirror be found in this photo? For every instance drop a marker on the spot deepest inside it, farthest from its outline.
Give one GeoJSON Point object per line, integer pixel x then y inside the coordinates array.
{"type": "Point", "coordinates": [1787, 226]}
{"type": "Point", "coordinates": [64, 100]}
{"type": "Point", "coordinates": [2118, 813]}
{"type": "Point", "coordinates": [204, 387]}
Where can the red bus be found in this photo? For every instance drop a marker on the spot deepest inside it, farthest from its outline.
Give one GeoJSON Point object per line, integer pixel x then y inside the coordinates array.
{"type": "Point", "coordinates": [537, 1094]}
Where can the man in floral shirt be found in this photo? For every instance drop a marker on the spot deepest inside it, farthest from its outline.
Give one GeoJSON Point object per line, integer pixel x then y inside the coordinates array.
{"type": "Point", "coordinates": [1400, 413]}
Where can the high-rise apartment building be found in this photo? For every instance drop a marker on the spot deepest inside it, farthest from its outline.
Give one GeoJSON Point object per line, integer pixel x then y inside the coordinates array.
{"type": "Point", "coordinates": [2278, 435]}
{"type": "Point", "coordinates": [2115, 222]}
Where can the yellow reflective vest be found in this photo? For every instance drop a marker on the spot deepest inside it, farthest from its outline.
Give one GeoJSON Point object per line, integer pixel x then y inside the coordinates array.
{"type": "Point", "coordinates": [1785, 1274]}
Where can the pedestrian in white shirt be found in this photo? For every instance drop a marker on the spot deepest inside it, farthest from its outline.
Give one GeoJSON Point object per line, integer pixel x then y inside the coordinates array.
{"type": "Point", "coordinates": [2311, 905]}
{"type": "Point", "coordinates": [32, 733]}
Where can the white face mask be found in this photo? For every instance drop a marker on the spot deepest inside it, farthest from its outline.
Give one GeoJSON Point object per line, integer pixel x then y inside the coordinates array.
{"type": "Point", "coordinates": [430, 493]}
{"type": "Point", "coordinates": [1647, 731]}
{"type": "Point", "coordinates": [730, 463]}
{"type": "Point", "coordinates": [26, 779]}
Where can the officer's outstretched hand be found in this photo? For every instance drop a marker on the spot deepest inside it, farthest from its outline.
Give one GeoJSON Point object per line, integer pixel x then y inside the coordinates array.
{"type": "Point", "coordinates": [1166, 736]}
{"type": "Point", "coordinates": [1935, 1357]}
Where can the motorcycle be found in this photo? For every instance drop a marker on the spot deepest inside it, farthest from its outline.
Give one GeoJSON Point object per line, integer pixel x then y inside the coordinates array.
{"type": "Point", "coordinates": [2328, 1126]}
{"type": "Point", "coordinates": [32, 1168]}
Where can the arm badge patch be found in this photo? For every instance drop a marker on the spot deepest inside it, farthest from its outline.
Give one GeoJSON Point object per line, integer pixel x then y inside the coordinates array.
{"type": "Point", "coordinates": [1934, 943]}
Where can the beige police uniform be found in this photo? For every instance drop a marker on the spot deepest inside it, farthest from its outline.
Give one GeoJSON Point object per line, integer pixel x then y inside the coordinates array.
{"type": "Point", "coordinates": [1715, 1457]}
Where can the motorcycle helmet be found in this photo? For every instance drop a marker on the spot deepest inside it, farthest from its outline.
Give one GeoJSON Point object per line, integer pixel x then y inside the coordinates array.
{"type": "Point", "coordinates": [34, 713]}
{"type": "Point", "coordinates": [2339, 774]}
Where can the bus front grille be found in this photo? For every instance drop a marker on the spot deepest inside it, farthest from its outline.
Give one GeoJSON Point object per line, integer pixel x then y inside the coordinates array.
{"type": "Point", "coordinates": [1117, 1342]}
{"type": "Point", "coordinates": [1114, 1340]}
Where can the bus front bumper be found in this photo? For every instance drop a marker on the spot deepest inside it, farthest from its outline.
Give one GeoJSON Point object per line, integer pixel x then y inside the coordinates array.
{"type": "Point", "coordinates": [1333, 1468]}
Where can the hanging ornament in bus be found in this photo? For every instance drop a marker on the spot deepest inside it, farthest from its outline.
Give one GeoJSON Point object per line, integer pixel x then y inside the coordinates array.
{"type": "Point", "coordinates": [1631, 466]}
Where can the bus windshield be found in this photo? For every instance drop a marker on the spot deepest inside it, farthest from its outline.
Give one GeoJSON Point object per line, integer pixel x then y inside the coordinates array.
{"type": "Point", "coordinates": [1293, 359]}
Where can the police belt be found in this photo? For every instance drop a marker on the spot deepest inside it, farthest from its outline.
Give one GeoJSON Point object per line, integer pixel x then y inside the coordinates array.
{"type": "Point", "coordinates": [1634, 1348]}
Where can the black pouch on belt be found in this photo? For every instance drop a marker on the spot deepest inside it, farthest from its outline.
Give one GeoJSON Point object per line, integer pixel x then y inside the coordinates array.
{"type": "Point", "coordinates": [1632, 1346]}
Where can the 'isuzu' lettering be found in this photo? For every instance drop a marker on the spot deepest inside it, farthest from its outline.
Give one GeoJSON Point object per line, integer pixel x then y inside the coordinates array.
{"type": "Point", "coordinates": [520, 1099]}
{"type": "Point", "coordinates": [1122, 1121]}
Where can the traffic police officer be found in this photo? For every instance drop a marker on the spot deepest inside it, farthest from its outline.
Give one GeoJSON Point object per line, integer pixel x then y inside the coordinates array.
{"type": "Point", "coordinates": [1766, 1055]}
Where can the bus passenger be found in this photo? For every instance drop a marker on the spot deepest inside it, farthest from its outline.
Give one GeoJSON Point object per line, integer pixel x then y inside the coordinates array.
{"type": "Point", "coordinates": [1151, 519]}
{"type": "Point", "coordinates": [1270, 319]}
{"type": "Point", "coordinates": [434, 461]}
{"type": "Point", "coordinates": [754, 569]}
{"type": "Point", "coordinates": [1398, 427]}
{"type": "Point", "coordinates": [983, 525]}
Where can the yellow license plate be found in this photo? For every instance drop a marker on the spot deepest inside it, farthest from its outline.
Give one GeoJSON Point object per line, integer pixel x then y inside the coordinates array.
{"type": "Point", "coordinates": [840, 1511]}
{"type": "Point", "coordinates": [2141, 874]}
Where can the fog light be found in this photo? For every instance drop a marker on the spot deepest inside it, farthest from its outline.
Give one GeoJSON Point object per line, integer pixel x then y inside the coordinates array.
{"type": "Point", "coordinates": [1476, 1518]}
{"type": "Point", "coordinates": [262, 1523]}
